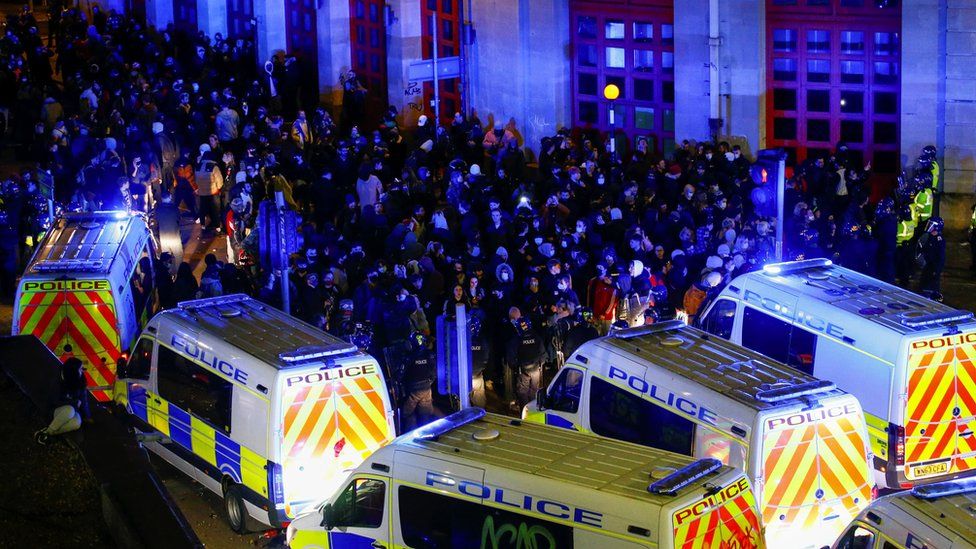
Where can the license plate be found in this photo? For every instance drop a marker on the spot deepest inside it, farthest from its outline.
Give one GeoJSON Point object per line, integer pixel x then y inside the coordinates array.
{"type": "Point", "coordinates": [930, 469]}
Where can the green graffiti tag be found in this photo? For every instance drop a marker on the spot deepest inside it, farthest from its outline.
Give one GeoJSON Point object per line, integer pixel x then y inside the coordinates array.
{"type": "Point", "coordinates": [523, 537]}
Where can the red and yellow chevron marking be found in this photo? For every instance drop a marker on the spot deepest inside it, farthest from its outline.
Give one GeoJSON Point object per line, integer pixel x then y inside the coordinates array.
{"type": "Point", "coordinates": [941, 406]}
{"type": "Point", "coordinates": [84, 319]}
{"type": "Point", "coordinates": [829, 455]}
{"type": "Point", "coordinates": [732, 525]}
{"type": "Point", "coordinates": [330, 427]}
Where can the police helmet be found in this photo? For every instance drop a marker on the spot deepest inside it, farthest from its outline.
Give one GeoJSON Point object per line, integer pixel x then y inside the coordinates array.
{"type": "Point", "coordinates": [935, 224]}
{"type": "Point", "coordinates": [362, 335]}
{"type": "Point", "coordinates": [928, 152]}
{"type": "Point", "coordinates": [583, 314]}
{"type": "Point", "coordinates": [905, 212]}
{"type": "Point", "coordinates": [850, 229]}
{"type": "Point", "coordinates": [418, 341]}
{"type": "Point", "coordinates": [619, 325]}
{"type": "Point", "coordinates": [810, 236]}
{"type": "Point", "coordinates": [523, 325]}
{"type": "Point", "coordinates": [885, 208]}
{"type": "Point", "coordinates": [474, 325]}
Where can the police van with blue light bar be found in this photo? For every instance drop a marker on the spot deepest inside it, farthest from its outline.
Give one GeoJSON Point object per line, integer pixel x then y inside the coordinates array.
{"type": "Point", "coordinates": [933, 516]}
{"type": "Point", "coordinates": [473, 479]}
{"type": "Point", "coordinates": [802, 441]}
{"type": "Point", "coordinates": [259, 407]}
{"type": "Point", "coordinates": [909, 360]}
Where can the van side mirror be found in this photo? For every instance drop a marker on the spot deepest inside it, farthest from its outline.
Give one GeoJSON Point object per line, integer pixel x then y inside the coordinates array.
{"type": "Point", "coordinates": [121, 370]}
{"type": "Point", "coordinates": [328, 517]}
{"type": "Point", "coordinates": [541, 398]}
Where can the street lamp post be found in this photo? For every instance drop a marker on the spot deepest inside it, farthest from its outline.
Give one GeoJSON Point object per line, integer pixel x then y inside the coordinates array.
{"type": "Point", "coordinates": [611, 92]}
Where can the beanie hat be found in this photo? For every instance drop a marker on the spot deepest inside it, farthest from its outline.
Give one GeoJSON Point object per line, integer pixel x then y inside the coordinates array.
{"type": "Point", "coordinates": [501, 251]}
{"type": "Point", "coordinates": [110, 143]}
{"type": "Point", "coordinates": [204, 148]}
{"type": "Point", "coordinates": [475, 169]}
{"type": "Point", "coordinates": [713, 262]}
{"type": "Point", "coordinates": [157, 128]}
{"type": "Point", "coordinates": [638, 267]}
{"type": "Point", "coordinates": [616, 214]}
{"type": "Point", "coordinates": [723, 250]}
{"type": "Point", "coordinates": [547, 249]}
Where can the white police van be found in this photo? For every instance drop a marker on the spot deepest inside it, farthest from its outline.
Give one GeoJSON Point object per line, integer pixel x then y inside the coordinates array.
{"type": "Point", "coordinates": [481, 480]}
{"type": "Point", "coordinates": [254, 404]}
{"type": "Point", "coordinates": [909, 360]}
{"type": "Point", "coordinates": [933, 516]}
{"type": "Point", "coordinates": [801, 441]}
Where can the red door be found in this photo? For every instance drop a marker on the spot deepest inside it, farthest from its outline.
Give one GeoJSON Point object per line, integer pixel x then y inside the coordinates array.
{"type": "Point", "coordinates": [833, 75]}
{"type": "Point", "coordinates": [629, 43]}
{"type": "Point", "coordinates": [368, 33]}
{"type": "Point", "coordinates": [300, 29]}
{"type": "Point", "coordinates": [185, 16]}
{"type": "Point", "coordinates": [446, 13]}
{"type": "Point", "coordinates": [239, 14]}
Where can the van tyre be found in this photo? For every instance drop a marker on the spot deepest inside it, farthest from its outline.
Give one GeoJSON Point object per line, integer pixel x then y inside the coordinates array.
{"type": "Point", "coordinates": [234, 510]}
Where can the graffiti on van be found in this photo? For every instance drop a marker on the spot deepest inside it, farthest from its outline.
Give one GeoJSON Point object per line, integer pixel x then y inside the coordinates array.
{"type": "Point", "coordinates": [507, 535]}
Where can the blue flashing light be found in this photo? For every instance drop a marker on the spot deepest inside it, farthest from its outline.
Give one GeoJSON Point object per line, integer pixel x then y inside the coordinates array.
{"type": "Point", "coordinates": [312, 352]}
{"type": "Point", "coordinates": [673, 483]}
{"type": "Point", "coordinates": [788, 267]}
{"type": "Point", "coordinates": [779, 394]}
{"type": "Point", "coordinates": [934, 319]}
{"type": "Point", "coordinates": [945, 489]}
{"type": "Point", "coordinates": [432, 431]}
{"type": "Point", "coordinates": [657, 327]}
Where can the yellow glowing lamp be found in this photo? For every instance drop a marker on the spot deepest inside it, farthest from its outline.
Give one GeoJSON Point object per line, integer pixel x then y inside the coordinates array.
{"type": "Point", "coordinates": [611, 92]}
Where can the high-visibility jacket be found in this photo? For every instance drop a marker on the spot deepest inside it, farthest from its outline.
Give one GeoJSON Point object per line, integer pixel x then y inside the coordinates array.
{"type": "Point", "coordinates": [924, 204]}
{"type": "Point", "coordinates": [906, 227]}
{"type": "Point", "coordinates": [936, 171]}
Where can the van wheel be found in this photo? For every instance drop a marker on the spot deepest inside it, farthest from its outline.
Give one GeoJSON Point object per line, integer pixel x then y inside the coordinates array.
{"type": "Point", "coordinates": [234, 509]}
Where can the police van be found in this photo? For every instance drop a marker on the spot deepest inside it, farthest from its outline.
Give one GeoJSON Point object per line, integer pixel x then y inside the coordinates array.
{"type": "Point", "coordinates": [801, 441]}
{"type": "Point", "coordinates": [909, 360]}
{"type": "Point", "coordinates": [481, 480]}
{"type": "Point", "coordinates": [932, 516]}
{"type": "Point", "coordinates": [257, 406]}
{"type": "Point", "coordinates": [81, 293]}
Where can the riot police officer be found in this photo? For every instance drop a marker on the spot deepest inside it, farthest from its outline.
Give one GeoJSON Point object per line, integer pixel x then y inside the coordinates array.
{"type": "Point", "coordinates": [886, 234]}
{"type": "Point", "coordinates": [417, 407]}
{"type": "Point", "coordinates": [479, 359]}
{"type": "Point", "coordinates": [581, 332]}
{"type": "Point", "coordinates": [932, 246]}
{"type": "Point", "coordinates": [524, 353]}
{"type": "Point", "coordinates": [905, 239]}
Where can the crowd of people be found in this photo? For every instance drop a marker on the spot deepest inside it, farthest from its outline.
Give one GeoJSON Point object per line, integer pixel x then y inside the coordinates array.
{"type": "Point", "coordinates": [402, 225]}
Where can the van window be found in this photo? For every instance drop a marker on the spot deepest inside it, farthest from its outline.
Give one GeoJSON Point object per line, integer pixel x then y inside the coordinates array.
{"type": "Point", "coordinates": [803, 350]}
{"type": "Point", "coordinates": [766, 334]}
{"type": "Point", "coordinates": [469, 524]}
{"type": "Point", "coordinates": [361, 504]}
{"type": "Point", "coordinates": [709, 444]}
{"type": "Point", "coordinates": [720, 319]}
{"type": "Point", "coordinates": [619, 414]}
{"type": "Point", "coordinates": [564, 396]}
{"type": "Point", "coordinates": [857, 537]}
{"type": "Point", "coordinates": [194, 389]}
{"type": "Point", "coordinates": [141, 361]}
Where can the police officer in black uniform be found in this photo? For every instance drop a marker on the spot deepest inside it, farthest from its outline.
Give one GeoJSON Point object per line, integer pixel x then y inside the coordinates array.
{"type": "Point", "coordinates": [933, 249]}
{"type": "Point", "coordinates": [524, 354]}
{"type": "Point", "coordinates": [417, 408]}
{"type": "Point", "coordinates": [479, 359]}
{"type": "Point", "coordinates": [583, 331]}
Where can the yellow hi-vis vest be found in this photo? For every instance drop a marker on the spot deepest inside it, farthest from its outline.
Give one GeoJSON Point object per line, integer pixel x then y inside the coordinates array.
{"type": "Point", "coordinates": [924, 204]}
{"type": "Point", "coordinates": [936, 171]}
{"type": "Point", "coordinates": [906, 227]}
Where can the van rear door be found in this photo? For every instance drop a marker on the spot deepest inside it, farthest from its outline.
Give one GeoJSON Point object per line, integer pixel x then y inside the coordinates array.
{"type": "Point", "coordinates": [816, 476]}
{"type": "Point", "coordinates": [940, 412]}
{"type": "Point", "coordinates": [79, 313]}
{"type": "Point", "coordinates": [333, 419]}
{"type": "Point", "coordinates": [723, 518]}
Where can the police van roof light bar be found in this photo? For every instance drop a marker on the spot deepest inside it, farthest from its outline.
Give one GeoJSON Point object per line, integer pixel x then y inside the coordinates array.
{"type": "Point", "coordinates": [780, 394]}
{"type": "Point", "coordinates": [788, 267]}
{"type": "Point", "coordinates": [629, 333]}
{"type": "Point", "coordinates": [933, 319]}
{"type": "Point", "coordinates": [673, 483]}
{"type": "Point", "coordinates": [206, 303]}
{"type": "Point", "coordinates": [311, 352]}
{"type": "Point", "coordinates": [945, 489]}
{"type": "Point", "coordinates": [432, 431]}
{"type": "Point", "coordinates": [45, 265]}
